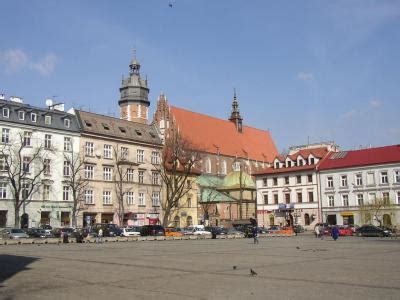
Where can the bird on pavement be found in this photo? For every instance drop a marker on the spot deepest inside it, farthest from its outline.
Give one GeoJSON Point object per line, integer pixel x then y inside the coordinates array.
{"type": "Point", "coordinates": [234, 267]}
{"type": "Point", "coordinates": [252, 273]}
{"type": "Point", "coordinates": [297, 247]}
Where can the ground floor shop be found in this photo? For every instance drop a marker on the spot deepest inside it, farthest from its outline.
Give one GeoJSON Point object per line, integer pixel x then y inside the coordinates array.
{"type": "Point", "coordinates": [387, 218]}
{"type": "Point", "coordinates": [130, 218]}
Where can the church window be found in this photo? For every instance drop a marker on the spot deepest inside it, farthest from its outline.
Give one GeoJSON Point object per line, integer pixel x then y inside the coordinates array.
{"type": "Point", "coordinates": [208, 165]}
{"type": "Point", "coordinates": [223, 171]}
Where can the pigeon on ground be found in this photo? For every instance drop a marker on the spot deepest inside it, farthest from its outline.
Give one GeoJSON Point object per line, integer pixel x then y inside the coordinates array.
{"type": "Point", "coordinates": [234, 267]}
{"type": "Point", "coordinates": [297, 247]}
{"type": "Point", "coordinates": [252, 273]}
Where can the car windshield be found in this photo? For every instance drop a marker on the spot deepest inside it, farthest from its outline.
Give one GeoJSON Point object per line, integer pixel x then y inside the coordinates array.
{"type": "Point", "coordinates": [17, 231]}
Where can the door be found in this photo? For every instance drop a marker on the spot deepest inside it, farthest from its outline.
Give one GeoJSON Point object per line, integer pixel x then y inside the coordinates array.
{"type": "Point", "coordinates": [3, 218]}
{"type": "Point", "coordinates": [45, 218]}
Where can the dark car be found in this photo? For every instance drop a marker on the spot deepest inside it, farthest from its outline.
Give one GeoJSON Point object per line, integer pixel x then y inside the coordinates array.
{"type": "Point", "coordinates": [36, 232]}
{"type": "Point", "coordinates": [371, 230]}
{"type": "Point", "coordinates": [109, 229]}
{"type": "Point", "coordinates": [58, 232]}
{"type": "Point", "coordinates": [152, 230]}
{"type": "Point", "coordinates": [215, 230]}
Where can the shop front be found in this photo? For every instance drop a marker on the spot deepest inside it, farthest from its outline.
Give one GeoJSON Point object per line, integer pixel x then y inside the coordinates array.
{"type": "Point", "coordinates": [107, 218]}
{"type": "Point", "coordinates": [348, 218]}
{"type": "Point", "coordinates": [153, 219]}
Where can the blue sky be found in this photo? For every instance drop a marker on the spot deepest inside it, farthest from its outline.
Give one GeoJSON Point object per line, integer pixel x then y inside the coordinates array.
{"type": "Point", "coordinates": [317, 70]}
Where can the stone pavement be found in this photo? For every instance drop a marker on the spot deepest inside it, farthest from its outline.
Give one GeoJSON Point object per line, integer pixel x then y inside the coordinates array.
{"type": "Point", "coordinates": [299, 267]}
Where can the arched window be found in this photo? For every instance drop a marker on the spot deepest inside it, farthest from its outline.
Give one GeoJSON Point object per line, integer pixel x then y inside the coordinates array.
{"type": "Point", "coordinates": [306, 219]}
{"type": "Point", "coordinates": [189, 221]}
{"type": "Point", "coordinates": [177, 221]}
{"type": "Point", "coordinates": [223, 167]}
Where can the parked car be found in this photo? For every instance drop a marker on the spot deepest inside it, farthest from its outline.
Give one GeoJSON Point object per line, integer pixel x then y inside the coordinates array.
{"type": "Point", "coordinates": [13, 233]}
{"type": "Point", "coordinates": [233, 231]}
{"type": "Point", "coordinates": [109, 229]}
{"type": "Point", "coordinates": [273, 229]}
{"type": "Point", "coordinates": [215, 230]}
{"type": "Point", "coordinates": [185, 231]}
{"type": "Point", "coordinates": [130, 231]}
{"type": "Point", "coordinates": [152, 230]}
{"type": "Point", "coordinates": [172, 231]}
{"type": "Point", "coordinates": [47, 229]}
{"type": "Point", "coordinates": [345, 231]}
{"type": "Point", "coordinates": [354, 227]}
{"type": "Point", "coordinates": [36, 232]}
{"type": "Point", "coordinates": [371, 230]}
{"type": "Point", "coordinates": [58, 232]}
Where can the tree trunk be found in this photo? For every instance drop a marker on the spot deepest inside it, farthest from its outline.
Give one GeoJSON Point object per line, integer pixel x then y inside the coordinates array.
{"type": "Point", "coordinates": [74, 218]}
{"type": "Point", "coordinates": [166, 217]}
{"type": "Point", "coordinates": [17, 218]}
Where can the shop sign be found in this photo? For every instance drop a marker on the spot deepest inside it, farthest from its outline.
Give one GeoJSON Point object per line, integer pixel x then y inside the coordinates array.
{"type": "Point", "coordinates": [55, 206]}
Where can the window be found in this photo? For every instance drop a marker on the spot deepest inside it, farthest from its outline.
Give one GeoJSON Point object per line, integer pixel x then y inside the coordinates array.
{"type": "Point", "coordinates": [89, 148]}
{"type": "Point", "coordinates": [26, 164]}
{"type": "Point", "coordinates": [286, 179]}
{"type": "Point", "coordinates": [398, 197]}
{"type": "Point", "coordinates": [89, 197]}
{"type": "Point", "coordinates": [25, 191]}
{"type": "Point", "coordinates": [275, 179]}
{"type": "Point", "coordinates": [33, 117]}
{"type": "Point", "coordinates": [21, 115]}
{"type": "Point", "coordinates": [384, 178]}
{"type": "Point", "coordinates": [385, 198]}
{"type": "Point", "coordinates": [372, 197]}
{"type": "Point", "coordinates": [47, 120]}
{"type": "Point", "coordinates": [67, 144]}
{"type": "Point", "coordinates": [67, 168]}
{"type": "Point", "coordinates": [300, 162]}
{"type": "Point", "coordinates": [129, 175]}
{"type": "Point", "coordinates": [46, 166]}
{"type": "Point", "coordinates": [6, 112]}
{"type": "Point", "coordinates": [129, 198]}
{"type": "Point", "coordinates": [155, 157]}
{"type": "Point", "coordinates": [265, 197]}
{"type": "Point", "coordinates": [298, 179]}
{"type": "Point", "coordinates": [107, 174]}
{"type": "Point", "coordinates": [189, 202]}
{"type": "Point", "coordinates": [65, 193]}
{"type": "Point", "coordinates": [343, 181]}
{"type": "Point", "coordinates": [124, 153]}
{"type": "Point", "coordinates": [155, 199]}
{"type": "Point", "coordinates": [277, 165]}
{"type": "Point", "coordinates": [265, 181]}
{"type": "Point", "coordinates": [309, 178]}
{"type": "Point", "coordinates": [330, 182]}
{"type": "Point", "coordinates": [3, 163]}
{"type": "Point", "coordinates": [140, 155]}
{"type": "Point", "coordinates": [154, 178]}
{"type": "Point", "coordinates": [370, 178]}
{"type": "Point", "coordinates": [5, 135]}
{"type": "Point", "coordinates": [310, 196]}
{"type": "Point", "coordinates": [359, 180]}
{"type": "Point", "coordinates": [345, 200]}
{"type": "Point", "coordinates": [224, 168]}
{"type": "Point", "coordinates": [288, 164]}
{"type": "Point", "coordinates": [360, 199]}
{"type": "Point", "coordinates": [299, 197]}
{"type": "Point", "coordinates": [27, 138]}
{"type": "Point", "coordinates": [107, 198]}
{"type": "Point", "coordinates": [287, 198]}
{"type": "Point", "coordinates": [397, 176]}
{"type": "Point", "coordinates": [3, 190]}
{"type": "Point", "coordinates": [107, 153]}
{"type": "Point", "coordinates": [47, 141]}
{"type": "Point", "coordinates": [89, 172]}
{"type": "Point", "coordinates": [142, 199]}
{"type": "Point", "coordinates": [208, 165]}
{"type": "Point", "coordinates": [276, 199]}
{"type": "Point", "coordinates": [312, 160]}
{"type": "Point", "coordinates": [236, 166]}
{"type": "Point", "coordinates": [141, 176]}
{"type": "Point", "coordinates": [67, 123]}
{"type": "Point", "coordinates": [46, 192]}
{"type": "Point", "coordinates": [331, 201]}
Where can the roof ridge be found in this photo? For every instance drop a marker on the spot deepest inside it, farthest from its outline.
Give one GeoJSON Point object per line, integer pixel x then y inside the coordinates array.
{"type": "Point", "coordinates": [115, 118]}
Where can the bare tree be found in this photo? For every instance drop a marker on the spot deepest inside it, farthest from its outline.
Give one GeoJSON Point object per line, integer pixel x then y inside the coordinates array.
{"type": "Point", "coordinates": [120, 179]}
{"type": "Point", "coordinates": [23, 166]}
{"type": "Point", "coordinates": [376, 209]}
{"type": "Point", "coordinates": [179, 160]}
{"type": "Point", "coordinates": [76, 182]}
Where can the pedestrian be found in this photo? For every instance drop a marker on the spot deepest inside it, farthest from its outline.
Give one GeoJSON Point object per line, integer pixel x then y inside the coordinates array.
{"type": "Point", "coordinates": [100, 236]}
{"type": "Point", "coordinates": [335, 233]}
{"type": "Point", "coordinates": [255, 235]}
{"type": "Point", "coordinates": [316, 229]}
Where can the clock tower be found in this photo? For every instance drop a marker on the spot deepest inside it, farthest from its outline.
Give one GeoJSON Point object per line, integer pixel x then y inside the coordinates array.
{"type": "Point", "coordinates": [134, 102]}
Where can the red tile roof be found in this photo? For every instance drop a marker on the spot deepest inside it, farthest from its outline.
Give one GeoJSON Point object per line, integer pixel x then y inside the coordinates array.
{"type": "Point", "coordinates": [364, 157]}
{"type": "Point", "coordinates": [213, 135]}
{"type": "Point", "coordinates": [284, 170]}
{"type": "Point", "coordinates": [316, 152]}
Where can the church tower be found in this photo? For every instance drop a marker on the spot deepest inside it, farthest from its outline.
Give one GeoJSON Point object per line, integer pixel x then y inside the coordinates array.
{"type": "Point", "coordinates": [235, 115]}
{"type": "Point", "coordinates": [134, 102]}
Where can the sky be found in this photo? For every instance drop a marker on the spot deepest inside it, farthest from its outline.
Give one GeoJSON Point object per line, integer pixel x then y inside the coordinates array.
{"type": "Point", "coordinates": [308, 71]}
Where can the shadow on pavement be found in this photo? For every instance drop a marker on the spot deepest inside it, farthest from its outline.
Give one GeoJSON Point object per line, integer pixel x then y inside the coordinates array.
{"type": "Point", "coordinates": [12, 264]}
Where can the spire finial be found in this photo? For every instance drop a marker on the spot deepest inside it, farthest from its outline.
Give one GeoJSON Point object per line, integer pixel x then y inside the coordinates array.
{"type": "Point", "coordinates": [134, 52]}
{"type": "Point", "coordinates": [234, 93]}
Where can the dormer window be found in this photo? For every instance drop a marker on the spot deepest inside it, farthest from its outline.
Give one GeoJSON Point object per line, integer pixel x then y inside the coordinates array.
{"type": "Point", "coordinates": [21, 115]}
{"type": "Point", "coordinates": [87, 123]}
{"type": "Point", "coordinates": [312, 160]}
{"type": "Point", "coordinates": [6, 112]}
{"type": "Point", "coordinates": [277, 165]}
{"type": "Point", "coordinates": [300, 162]}
{"type": "Point", "coordinates": [105, 126]}
{"type": "Point", "coordinates": [47, 120]}
{"type": "Point", "coordinates": [33, 117]}
{"type": "Point", "coordinates": [122, 129]}
{"type": "Point", "coordinates": [67, 123]}
{"type": "Point", "coordinates": [138, 132]}
{"type": "Point", "coordinates": [289, 163]}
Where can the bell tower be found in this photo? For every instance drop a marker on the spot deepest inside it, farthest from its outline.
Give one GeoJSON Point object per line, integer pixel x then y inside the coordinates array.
{"type": "Point", "coordinates": [235, 115]}
{"type": "Point", "coordinates": [134, 101]}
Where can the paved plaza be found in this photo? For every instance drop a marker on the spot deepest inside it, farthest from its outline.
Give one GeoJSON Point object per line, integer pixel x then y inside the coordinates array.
{"type": "Point", "coordinates": [300, 267]}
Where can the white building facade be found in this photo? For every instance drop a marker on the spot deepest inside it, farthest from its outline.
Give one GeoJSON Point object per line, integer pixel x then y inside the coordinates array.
{"type": "Point", "coordinates": [56, 133]}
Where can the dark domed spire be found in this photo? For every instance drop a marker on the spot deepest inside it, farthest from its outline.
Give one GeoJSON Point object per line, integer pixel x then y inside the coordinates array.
{"type": "Point", "coordinates": [235, 115]}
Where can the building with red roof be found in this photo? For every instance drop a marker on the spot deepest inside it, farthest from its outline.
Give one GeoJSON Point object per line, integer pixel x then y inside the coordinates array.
{"type": "Point", "coordinates": [351, 180]}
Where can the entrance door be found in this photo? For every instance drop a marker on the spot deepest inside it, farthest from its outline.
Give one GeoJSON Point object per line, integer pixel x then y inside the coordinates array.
{"type": "Point", "coordinates": [331, 219]}
{"type": "Point", "coordinates": [65, 219]}
{"type": "Point", "coordinates": [387, 221]}
{"type": "Point", "coordinates": [45, 218]}
{"type": "Point", "coordinates": [3, 218]}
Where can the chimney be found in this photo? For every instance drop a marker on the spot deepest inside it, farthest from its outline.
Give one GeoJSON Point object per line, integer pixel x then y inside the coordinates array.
{"type": "Point", "coordinates": [2, 97]}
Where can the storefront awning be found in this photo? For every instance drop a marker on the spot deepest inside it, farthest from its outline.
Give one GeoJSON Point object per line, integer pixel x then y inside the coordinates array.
{"type": "Point", "coordinates": [346, 214]}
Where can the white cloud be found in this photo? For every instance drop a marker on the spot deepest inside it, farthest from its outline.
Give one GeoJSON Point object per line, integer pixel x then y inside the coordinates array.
{"type": "Point", "coordinates": [349, 114]}
{"type": "Point", "coordinates": [375, 103]}
{"type": "Point", "coordinates": [46, 65]}
{"type": "Point", "coordinates": [14, 60]}
{"type": "Point", "coordinates": [305, 76]}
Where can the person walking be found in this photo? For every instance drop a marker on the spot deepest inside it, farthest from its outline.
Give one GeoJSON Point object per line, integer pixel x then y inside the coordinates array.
{"type": "Point", "coordinates": [255, 235]}
{"type": "Point", "coordinates": [100, 236]}
{"type": "Point", "coordinates": [335, 233]}
{"type": "Point", "coordinates": [317, 232]}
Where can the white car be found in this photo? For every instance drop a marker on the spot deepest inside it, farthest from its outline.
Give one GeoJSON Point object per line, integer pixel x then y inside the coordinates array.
{"type": "Point", "coordinates": [200, 231]}
{"type": "Point", "coordinates": [130, 231]}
